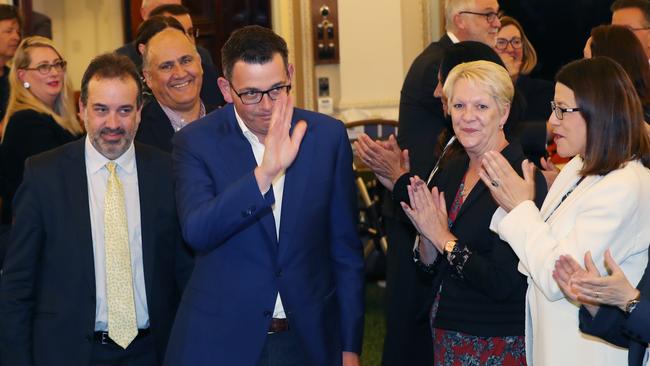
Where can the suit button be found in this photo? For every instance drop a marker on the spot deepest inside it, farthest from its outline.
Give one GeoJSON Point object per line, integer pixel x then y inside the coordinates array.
{"type": "Point", "coordinates": [248, 212]}
{"type": "Point", "coordinates": [278, 273]}
{"type": "Point", "coordinates": [267, 314]}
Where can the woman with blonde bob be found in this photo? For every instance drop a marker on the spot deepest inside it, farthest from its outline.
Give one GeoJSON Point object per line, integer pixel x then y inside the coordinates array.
{"type": "Point", "coordinates": [599, 202]}
{"type": "Point", "coordinates": [477, 316]}
{"type": "Point", "coordinates": [40, 112]}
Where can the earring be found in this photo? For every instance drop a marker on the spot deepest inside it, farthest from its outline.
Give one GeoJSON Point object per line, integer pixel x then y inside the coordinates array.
{"type": "Point", "coordinates": [26, 85]}
{"type": "Point", "coordinates": [501, 127]}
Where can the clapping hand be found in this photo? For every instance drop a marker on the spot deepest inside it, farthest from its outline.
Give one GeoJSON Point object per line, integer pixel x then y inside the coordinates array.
{"type": "Point", "coordinates": [549, 171]}
{"type": "Point", "coordinates": [614, 289]}
{"type": "Point", "coordinates": [507, 188]}
{"type": "Point", "coordinates": [384, 158]}
{"type": "Point", "coordinates": [281, 147]}
{"type": "Point", "coordinates": [428, 213]}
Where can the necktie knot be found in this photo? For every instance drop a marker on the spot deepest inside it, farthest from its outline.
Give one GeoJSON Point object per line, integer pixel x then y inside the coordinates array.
{"type": "Point", "coordinates": [112, 167]}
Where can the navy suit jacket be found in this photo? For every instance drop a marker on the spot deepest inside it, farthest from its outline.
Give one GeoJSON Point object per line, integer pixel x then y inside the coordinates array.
{"type": "Point", "coordinates": [316, 266]}
{"type": "Point", "coordinates": [47, 299]}
{"type": "Point", "coordinates": [612, 325]}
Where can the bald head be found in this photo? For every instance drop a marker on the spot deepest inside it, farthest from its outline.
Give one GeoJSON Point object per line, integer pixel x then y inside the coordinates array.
{"type": "Point", "coordinates": [149, 5]}
{"type": "Point", "coordinates": [172, 69]}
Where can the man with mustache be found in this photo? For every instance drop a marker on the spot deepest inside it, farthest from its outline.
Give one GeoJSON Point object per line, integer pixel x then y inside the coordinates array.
{"type": "Point", "coordinates": [172, 70]}
{"type": "Point", "coordinates": [96, 264]}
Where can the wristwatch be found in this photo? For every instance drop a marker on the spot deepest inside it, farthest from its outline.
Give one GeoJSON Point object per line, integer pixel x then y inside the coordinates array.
{"type": "Point", "coordinates": [449, 246]}
{"type": "Point", "coordinates": [631, 305]}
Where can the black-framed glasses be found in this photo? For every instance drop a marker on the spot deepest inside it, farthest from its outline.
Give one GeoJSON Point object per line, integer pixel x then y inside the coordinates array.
{"type": "Point", "coordinates": [46, 68]}
{"type": "Point", "coordinates": [636, 29]}
{"type": "Point", "coordinates": [255, 96]}
{"type": "Point", "coordinates": [559, 111]}
{"type": "Point", "coordinates": [193, 32]}
{"type": "Point", "coordinates": [502, 43]}
{"type": "Point", "coordinates": [490, 16]}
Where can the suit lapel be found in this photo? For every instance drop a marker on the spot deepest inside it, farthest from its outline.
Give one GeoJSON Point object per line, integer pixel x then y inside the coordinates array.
{"type": "Point", "coordinates": [163, 131]}
{"type": "Point", "coordinates": [148, 194]}
{"type": "Point", "coordinates": [240, 161]}
{"type": "Point", "coordinates": [295, 183]}
{"type": "Point", "coordinates": [74, 171]}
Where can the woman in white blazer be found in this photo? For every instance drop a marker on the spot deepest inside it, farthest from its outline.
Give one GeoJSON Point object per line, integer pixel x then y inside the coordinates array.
{"type": "Point", "coordinates": [600, 200]}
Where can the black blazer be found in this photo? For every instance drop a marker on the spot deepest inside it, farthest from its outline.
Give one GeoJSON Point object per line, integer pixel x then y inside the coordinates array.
{"type": "Point", "coordinates": [155, 128]}
{"type": "Point", "coordinates": [47, 297]}
{"type": "Point", "coordinates": [612, 325]}
{"type": "Point", "coordinates": [210, 93]}
{"type": "Point", "coordinates": [28, 133]}
{"type": "Point", "coordinates": [421, 118]}
{"type": "Point", "coordinates": [488, 298]}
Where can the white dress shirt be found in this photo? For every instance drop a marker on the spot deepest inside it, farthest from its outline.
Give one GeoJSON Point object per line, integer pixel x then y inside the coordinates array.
{"type": "Point", "coordinates": [97, 176]}
{"type": "Point", "coordinates": [278, 189]}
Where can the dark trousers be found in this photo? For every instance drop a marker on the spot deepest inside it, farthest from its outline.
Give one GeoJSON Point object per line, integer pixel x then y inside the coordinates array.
{"type": "Point", "coordinates": [141, 352]}
{"type": "Point", "coordinates": [408, 299]}
{"type": "Point", "coordinates": [283, 349]}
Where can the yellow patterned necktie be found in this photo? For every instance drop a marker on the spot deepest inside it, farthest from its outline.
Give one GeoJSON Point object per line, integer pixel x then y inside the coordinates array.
{"type": "Point", "coordinates": [122, 326]}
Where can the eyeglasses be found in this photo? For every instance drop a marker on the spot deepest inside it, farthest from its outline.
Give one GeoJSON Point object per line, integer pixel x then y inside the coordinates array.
{"type": "Point", "coordinates": [502, 43]}
{"type": "Point", "coordinates": [559, 111]}
{"type": "Point", "coordinates": [193, 32]}
{"type": "Point", "coordinates": [490, 17]}
{"type": "Point", "coordinates": [636, 29]}
{"type": "Point", "coordinates": [46, 68]}
{"type": "Point", "coordinates": [255, 96]}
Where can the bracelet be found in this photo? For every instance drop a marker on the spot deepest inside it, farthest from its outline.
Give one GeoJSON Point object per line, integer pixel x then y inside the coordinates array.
{"type": "Point", "coordinates": [458, 257]}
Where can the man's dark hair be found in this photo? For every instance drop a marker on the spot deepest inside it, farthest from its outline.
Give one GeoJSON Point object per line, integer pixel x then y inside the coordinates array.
{"type": "Point", "coordinates": [643, 5]}
{"type": "Point", "coordinates": [9, 12]}
{"type": "Point", "coordinates": [110, 66]}
{"type": "Point", "coordinates": [253, 45]}
{"type": "Point", "coordinates": [153, 26]}
{"type": "Point", "coordinates": [173, 9]}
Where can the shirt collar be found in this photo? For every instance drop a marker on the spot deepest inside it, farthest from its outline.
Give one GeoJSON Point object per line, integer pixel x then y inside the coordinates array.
{"type": "Point", "coordinates": [95, 161]}
{"type": "Point", "coordinates": [453, 37]}
{"type": "Point", "coordinates": [176, 120]}
{"type": "Point", "coordinates": [250, 136]}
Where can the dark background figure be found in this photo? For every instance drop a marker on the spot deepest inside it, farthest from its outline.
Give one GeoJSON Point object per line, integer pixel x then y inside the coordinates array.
{"type": "Point", "coordinates": [39, 25]}
{"type": "Point", "coordinates": [10, 24]}
{"type": "Point", "coordinates": [557, 28]}
{"type": "Point", "coordinates": [621, 45]}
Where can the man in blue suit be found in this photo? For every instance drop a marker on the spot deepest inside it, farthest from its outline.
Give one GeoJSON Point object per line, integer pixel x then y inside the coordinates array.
{"type": "Point", "coordinates": [266, 199]}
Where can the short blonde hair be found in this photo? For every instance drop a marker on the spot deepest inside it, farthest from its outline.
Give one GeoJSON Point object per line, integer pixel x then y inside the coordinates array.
{"type": "Point", "coordinates": [20, 98]}
{"type": "Point", "coordinates": [529, 55]}
{"type": "Point", "coordinates": [452, 7]}
{"type": "Point", "coordinates": [485, 75]}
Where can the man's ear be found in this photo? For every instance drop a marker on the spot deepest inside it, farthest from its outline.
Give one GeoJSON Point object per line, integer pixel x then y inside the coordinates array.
{"type": "Point", "coordinates": [82, 111]}
{"type": "Point", "coordinates": [147, 76]}
{"type": "Point", "coordinates": [224, 86]}
{"type": "Point", "coordinates": [290, 71]}
{"type": "Point", "coordinates": [459, 23]}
